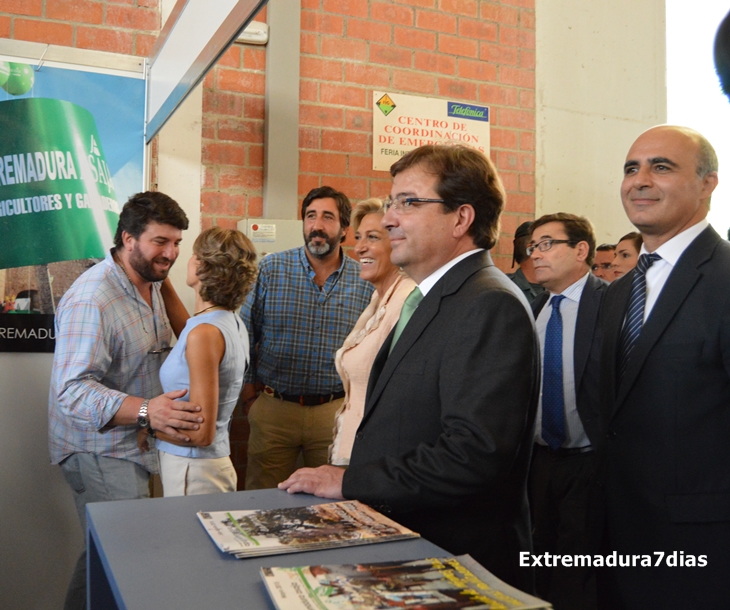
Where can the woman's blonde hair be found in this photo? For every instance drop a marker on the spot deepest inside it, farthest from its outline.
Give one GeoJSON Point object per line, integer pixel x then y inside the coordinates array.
{"type": "Point", "coordinates": [362, 209]}
{"type": "Point", "coordinates": [227, 266]}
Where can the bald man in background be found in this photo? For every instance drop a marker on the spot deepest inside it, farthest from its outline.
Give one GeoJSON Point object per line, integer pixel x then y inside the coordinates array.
{"type": "Point", "coordinates": [665, 383]}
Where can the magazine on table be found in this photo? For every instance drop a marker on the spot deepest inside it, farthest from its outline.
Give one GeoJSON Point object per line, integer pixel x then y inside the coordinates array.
{"type": "Point", "coordinates": [434, 583]}
{"type": "Point", "coordinates": [252, 533]}
{"type": "Point", "coordinates": [423, 584]}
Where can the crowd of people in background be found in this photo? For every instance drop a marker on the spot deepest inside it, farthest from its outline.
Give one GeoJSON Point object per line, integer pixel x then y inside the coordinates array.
{"type": "Point", "coordinates": [578, 407]}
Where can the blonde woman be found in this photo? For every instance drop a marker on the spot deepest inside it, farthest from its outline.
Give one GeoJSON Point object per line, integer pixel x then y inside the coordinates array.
{"type": "Point", "coordinates": [209, 360]}
{"type": "Point", "coordinates": [356, 356]}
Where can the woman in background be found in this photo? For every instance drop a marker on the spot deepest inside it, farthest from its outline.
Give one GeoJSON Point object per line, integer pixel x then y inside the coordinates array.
{"type": "Point", "coordinates": [209, 360]}
{"type": "Point", "coordinates": [627, 254]}
{"type": "Point", "coordinates": [356, 356]}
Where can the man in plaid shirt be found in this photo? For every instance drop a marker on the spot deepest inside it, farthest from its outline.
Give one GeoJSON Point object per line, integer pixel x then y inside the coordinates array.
{"type": "Point", "coordinates": [304, 304]}
{"type": "Point", "coordinates": [112, 335]}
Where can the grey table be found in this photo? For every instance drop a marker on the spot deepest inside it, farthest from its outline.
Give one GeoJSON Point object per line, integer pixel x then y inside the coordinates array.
{"type": "Point", "coordinates": [154, 554]}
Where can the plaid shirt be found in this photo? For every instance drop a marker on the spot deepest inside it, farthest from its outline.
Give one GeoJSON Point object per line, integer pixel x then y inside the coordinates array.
{"type": "Point", "coordinates": [297, 327]}
{"type": "Point", "coordinates": [104, 333]}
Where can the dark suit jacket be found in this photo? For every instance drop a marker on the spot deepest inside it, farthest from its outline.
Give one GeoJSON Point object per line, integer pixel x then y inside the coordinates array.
{"type": "Point", "coordinates": [586, 352]}
{"type": "Point", "coordinates": [445, 440]}
{"type": "Point", "coordinates": [666, 454]}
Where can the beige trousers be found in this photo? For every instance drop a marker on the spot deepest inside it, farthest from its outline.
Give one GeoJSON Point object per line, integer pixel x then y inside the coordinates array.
{"type": "Point", "coordinates": [184, 476]}
{"type": "Point", "coordinates": [280, 431]}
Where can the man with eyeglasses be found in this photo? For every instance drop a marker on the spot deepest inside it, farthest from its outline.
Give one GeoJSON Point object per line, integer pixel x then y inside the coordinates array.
{"type": "Point", "coordinates": [563, 487]}
{"type": "Point", "coordinates": [446, 436]}
{"type": "Point", "coordinates": [602, 262]}
{"type": "Point", "coordinates": [112, 334]}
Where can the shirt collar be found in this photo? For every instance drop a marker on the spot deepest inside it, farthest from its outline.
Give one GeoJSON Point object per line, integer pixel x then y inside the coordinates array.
{"type": "Point", "coordinates": [575, 290]}
{"type": "Point", "coordinates": [428, 283]}
{"type": "Point", "coordinates": [308, 266]}
{"type": "Point", "coordinates": [121, 276]}
{"type": "Point", "coordinates": [671, 250]}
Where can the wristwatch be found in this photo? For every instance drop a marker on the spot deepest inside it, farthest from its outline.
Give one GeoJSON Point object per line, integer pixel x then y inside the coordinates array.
{"type": "Point", "coordinates": [142, 420]}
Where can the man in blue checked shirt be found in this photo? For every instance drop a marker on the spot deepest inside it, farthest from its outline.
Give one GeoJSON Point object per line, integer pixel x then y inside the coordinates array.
{"type": "Point", "coordinates": [304, 304]}
{"type": "Point", "coordinates": [112, 335]}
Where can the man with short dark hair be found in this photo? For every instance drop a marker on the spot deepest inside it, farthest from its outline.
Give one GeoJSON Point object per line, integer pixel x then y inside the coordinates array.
{"type": "Point", "coordinates": [112, 334]}
{"type": "Point", "coordinates": [566, 517]}
{"type": "Point", "coordinates": [301, 309]}
{"type": "Point", "coordinates": [602, 262]}
{"type": "Point", "coordinates": [524, 277]}
{"type": "Point", "coordinates": [446, 436]}
{"type": "Point", "coordinates": [665, 383]}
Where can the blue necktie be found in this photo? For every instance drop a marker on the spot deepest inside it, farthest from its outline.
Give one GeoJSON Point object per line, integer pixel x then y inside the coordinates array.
{"type": "Point", "coordinates": [553, 412]}
{"type": "Point", "coordinates": [635, 313]}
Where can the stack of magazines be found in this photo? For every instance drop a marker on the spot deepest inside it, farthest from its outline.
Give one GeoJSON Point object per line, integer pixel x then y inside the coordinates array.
{"type": "Point", "coordinates": [252, 533]}
{"type": "Point", "coordinates": [438, 584]}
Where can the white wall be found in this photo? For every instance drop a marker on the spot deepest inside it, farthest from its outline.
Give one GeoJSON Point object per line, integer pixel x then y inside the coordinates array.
{"type": "Point", "coordinates": [40, 536]}
{"type": "Point", "coordinates": [179, 170]}
{"type": "Point", "coordinates": [600, 82]}
{"type": "Point", "coordinates": [179, 176]}
{"type": "Point", "coordinates": [694, 97]}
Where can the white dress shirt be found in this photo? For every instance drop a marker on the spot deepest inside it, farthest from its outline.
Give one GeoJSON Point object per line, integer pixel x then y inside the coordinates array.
{"type": "Point", "coordinates": [575, 435]}
{"type": "Point", "coordinates": [428, 283]}
{"type": "Point", "coordinates": [658, 273]}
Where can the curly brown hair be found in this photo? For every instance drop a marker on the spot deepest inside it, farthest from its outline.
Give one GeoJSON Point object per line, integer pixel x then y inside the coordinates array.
{"type": "Point", "coordinates": [362, 209]}
{"type": "Point", "coordinates": [144, 208]}
{"type": "Point", "coordinates": [227, 266]}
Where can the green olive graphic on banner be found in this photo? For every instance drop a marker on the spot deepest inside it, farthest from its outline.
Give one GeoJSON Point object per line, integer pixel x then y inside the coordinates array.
{"type": "Point", "coordinates": [20, 78]}
{"type": "Point", "coordinates": [57, 200]}
{"type": "Point", "coordinates": [4, 72]}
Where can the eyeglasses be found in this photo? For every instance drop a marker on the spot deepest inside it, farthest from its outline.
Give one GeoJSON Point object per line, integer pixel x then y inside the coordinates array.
{"type": "Point", "coordinates": [405, 205]}
{"type": "Point", "coordinates": [546, 244]}
{"type": "Point", "coordinates": [604, 266]}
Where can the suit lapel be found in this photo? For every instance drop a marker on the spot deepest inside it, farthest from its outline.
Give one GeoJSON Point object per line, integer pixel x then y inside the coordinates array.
{"type": "Point", "coordinates": [416, 325]}
{"type": "Point", "coordinates": [384, 364]}
{"type": "Point", "coordinates": [378, 365]}
{"type": "Point", "coordinates": [680, 283]}
{"type": "Point", "coordinates": [585, 325]}
{"type": "Point", "coordinates": [539, 303]}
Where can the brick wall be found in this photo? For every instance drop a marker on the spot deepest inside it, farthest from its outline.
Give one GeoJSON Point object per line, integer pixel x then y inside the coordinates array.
{"type": "Point", "coordinates": [233, 137]}
{"type": "Point", "coordinates": [468, 50]}
{"type": "Point", "coordinates": [472, 51]}
{"type": "Point", "coordinates": [125, 26]}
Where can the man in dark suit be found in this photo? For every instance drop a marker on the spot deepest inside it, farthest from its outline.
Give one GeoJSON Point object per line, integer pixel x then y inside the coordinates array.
{"type": "Point", "coordinates": [665, 383]}
{"type": "Point", "coordinates": [445, 440]}
{"type": "Point", "coordinates": [563, 488]}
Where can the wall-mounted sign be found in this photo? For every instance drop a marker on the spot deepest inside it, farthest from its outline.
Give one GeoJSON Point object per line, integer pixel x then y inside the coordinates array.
{"type": "Point", "coordinates": [71, 154]}
{"type": "Point", "coordinates": [56, 193]}
{"type": "Point", "coordinates": [404, 122]}
{"type": "Point", "coordinates": [263, 232]}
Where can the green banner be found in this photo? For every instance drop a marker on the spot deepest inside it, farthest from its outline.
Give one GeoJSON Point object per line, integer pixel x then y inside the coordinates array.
{"type": "Point", "coordinates": [57, 199]}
